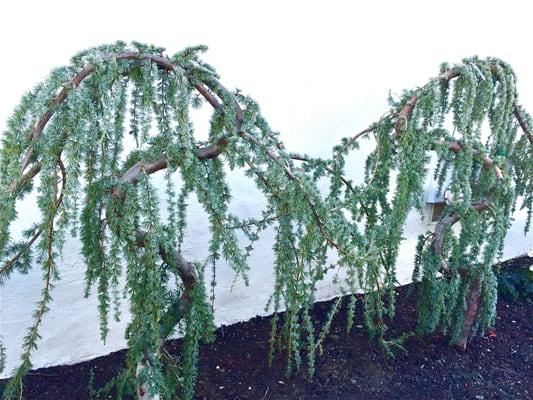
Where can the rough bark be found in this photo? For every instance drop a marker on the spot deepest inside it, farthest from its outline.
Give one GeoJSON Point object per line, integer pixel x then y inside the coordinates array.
{"type": "Point", "coordinates": [472, 306]}
{"type": "Point", "coordinates": [474, 294]}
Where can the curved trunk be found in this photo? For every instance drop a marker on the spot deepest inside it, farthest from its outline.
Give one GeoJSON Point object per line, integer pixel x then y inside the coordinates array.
{"type": "Point", "coordinates": [472, 306]}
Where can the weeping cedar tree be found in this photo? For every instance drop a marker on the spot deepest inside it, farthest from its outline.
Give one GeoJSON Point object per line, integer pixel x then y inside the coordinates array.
{"type": "Point", "coordinates": [69, 132]}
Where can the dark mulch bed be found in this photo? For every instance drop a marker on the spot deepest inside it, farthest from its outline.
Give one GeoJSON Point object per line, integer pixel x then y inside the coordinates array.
{"type": "Point", "coordinates": [352, 367]}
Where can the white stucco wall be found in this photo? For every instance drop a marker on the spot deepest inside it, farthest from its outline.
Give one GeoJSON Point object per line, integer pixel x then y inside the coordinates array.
{"type": "Point", "coordinates": [319, 72]}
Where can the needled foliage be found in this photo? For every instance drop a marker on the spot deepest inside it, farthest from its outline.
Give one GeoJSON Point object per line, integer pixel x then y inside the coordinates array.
{"type": "Point", "coordinates": [67, 136]}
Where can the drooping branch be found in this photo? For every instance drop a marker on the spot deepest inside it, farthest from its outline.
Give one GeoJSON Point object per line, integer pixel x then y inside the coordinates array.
{"type": "Point", "coordinates": [437, 243]}
{"type": "Point", "coordinates": [132, 175]}
{"type": "Point", "coordinates": [292, 177]}
{"type": "Point", "coordinates": [345, 181]}
{"type": "Point", "coordinates": [518, 113]}
{"type": "Point", "coordinates": [176, 311]}
{"type": "Point", "coordinates": [488, 163]}
{"type": "Point", "coordinates": [209, 151]}
{"type": "Point", "coordinates": [18, 185]}
{"type": "Point", "coordinates": [8, 265]}
{"type": "Point", "coordinates": [185, 270]}
{"type": "Point", "coordinates": [405, 113]}
{"type": "Point", "coordinates": [32, 336]}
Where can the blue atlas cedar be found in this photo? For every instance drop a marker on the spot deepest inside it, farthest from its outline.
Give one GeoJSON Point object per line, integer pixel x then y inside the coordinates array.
{"type": "Point", "coordinates": [70, 130]}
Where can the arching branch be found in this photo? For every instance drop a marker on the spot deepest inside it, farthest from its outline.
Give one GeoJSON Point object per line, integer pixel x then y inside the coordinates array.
{"type": "Point", "coordinates": [488, 163]}
{"type": "Point", "coordinates": [405, 113]}
{"type": "Point", "coordinates": [209, 151]}
{"type": "Point", "coordinates": [437, 243]}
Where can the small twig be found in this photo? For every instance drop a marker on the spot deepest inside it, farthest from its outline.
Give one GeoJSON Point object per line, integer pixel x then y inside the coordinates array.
{"type": "Point", "coordinates": [377, 161]}
{"type": "Point", "coordinates": [6, 267]}
{"type": "Point", "coordinates": [266, 393]}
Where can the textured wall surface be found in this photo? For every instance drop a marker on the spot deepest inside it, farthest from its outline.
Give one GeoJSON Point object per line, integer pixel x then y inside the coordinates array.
{"type": "Point", "coordinates": [319, 74]}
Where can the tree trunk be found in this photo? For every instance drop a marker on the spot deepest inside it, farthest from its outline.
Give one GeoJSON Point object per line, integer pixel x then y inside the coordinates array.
{"type": "Point", "coordinates": [472, 306]}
